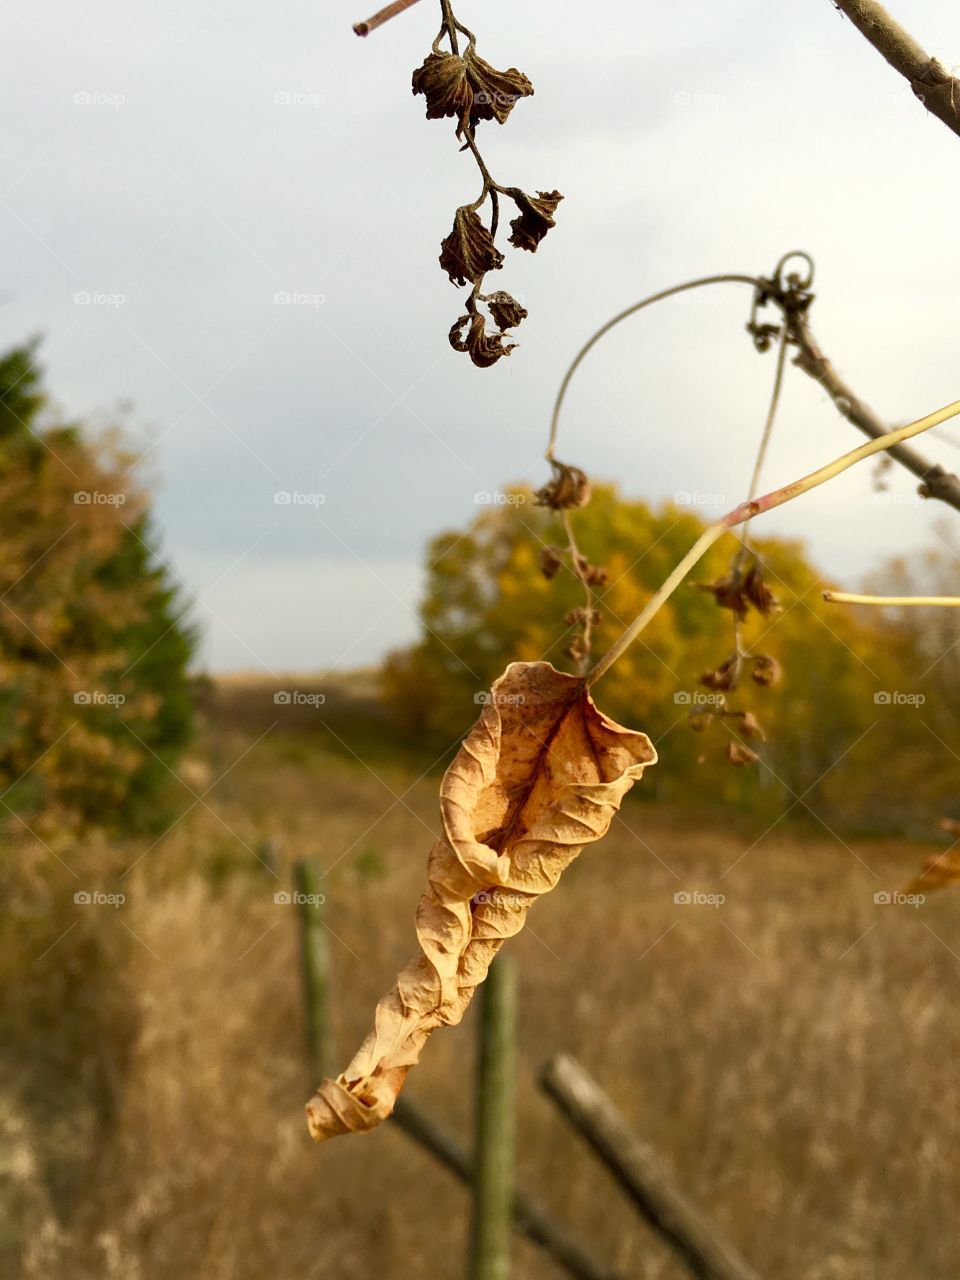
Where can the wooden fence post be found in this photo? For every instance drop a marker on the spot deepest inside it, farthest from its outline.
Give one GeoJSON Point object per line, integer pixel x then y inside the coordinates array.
{"type": "Point", "coordinates": [315, 960]}
{"type": "Point", "coordinates": [493, 1180]}
{"type": "Point", "coordinates": [529, 1216]}
{"type": "Point", "coordinates": [638, 1170]}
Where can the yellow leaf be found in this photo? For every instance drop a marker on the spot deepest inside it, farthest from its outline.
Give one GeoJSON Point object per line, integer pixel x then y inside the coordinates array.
{"type": "Point", "coordinates": [540, 776]}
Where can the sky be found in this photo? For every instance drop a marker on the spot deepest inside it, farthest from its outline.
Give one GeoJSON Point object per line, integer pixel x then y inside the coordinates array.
{"type": "Point", "coordinates": [225, 221]}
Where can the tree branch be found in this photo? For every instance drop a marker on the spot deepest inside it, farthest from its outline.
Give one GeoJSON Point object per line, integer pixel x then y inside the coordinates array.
{"type": "Point", "coordinates": [937, 89]}
{"type": "Point", "coordinates": [936, 481]}
{"type": "Point", "coordinates": [382, 16]}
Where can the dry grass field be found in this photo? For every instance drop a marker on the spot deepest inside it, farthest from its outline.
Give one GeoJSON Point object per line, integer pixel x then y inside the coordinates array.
{"type": "Point", "coordinates": [791, 1052]}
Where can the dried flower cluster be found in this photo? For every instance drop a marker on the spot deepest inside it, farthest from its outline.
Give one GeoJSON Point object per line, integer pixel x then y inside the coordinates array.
{"type": "Point", "coordinates": [742, 590]}
{"type": "Point", "coordinates": [567, 488]}
{"type": "Point", "coordinates": [464, 87]}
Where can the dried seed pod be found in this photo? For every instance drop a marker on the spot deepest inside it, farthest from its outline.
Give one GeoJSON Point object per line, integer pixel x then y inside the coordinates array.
{"type": "Point", "coordinates": [739, 755]}
{"type": "Point", "coordinates": [576, 649]}
{"type": "Point", "coordinates": [766, 670]}
{"type": "Point", "coordinates": [573, 617]}
{"type": "Point", "coordinates": [757, 591]}
{"type": "Point", "coordinates": [723, 677]}
{"type": "Point", "coordinates": [468, 252]}
{"type": "Point", "coordinates": [484, 348]}
{"type": "Point", "coordinates": [550, 562]}
{"type": "Point", "coordinates": [738, 591]}
{"type": "Point", "coordinates": [749, 725]}
{"type": "Point", "coordinates": [536, 218]}
{"type": "Point", "coordinates": [568, 487]}
{"type": "Point", "coordinates": [700, 718]}
{"type": "Point", "coordinates": [594, 576]}
{"type": "Point", "coordinates": [506, 311]}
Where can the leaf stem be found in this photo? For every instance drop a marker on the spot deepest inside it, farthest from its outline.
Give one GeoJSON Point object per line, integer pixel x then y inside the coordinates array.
{"type": "Point", "coordinates": [754, 507]}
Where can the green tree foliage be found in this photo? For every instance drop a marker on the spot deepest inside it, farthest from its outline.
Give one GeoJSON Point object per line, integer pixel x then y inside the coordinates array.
{"type": "Point", "coordinates": [94, 698]}
{"type": "Point", "coordinates": [829, 739]}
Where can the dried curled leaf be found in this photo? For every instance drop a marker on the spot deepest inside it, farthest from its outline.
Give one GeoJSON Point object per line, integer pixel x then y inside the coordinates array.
{"type": "Point", "coordinates": [442, 79]}
{"type": "Point", "coordinates": [724, 677]}
{"type": "Point", "coordinates": [567, 487]}
{"type": "Point", "coordinates": [940, 871]}
{"type": "Point", "coordinates": [468, 252]}
{"type": "Point", "coordinates": [536, 218]}
{"type": "Point", "coordinates": [495, 93]}
{"type": "Point", "coordinates": [539, 777]}
{"type": "Point", "coordinates": [506, 311]}
{"type": "Point", "coordinates": [485, 348]}
{"type": "Point", "coordinates": [468, 88]}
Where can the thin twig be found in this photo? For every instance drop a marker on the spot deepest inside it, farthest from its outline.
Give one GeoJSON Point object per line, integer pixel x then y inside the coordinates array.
{"type": "Point", "coordinates": [746, 511]}
{"type": "Point", "coordinates": [767, 432]}
{"type": "Point", "coordinates": [937, 89]}
{"type": "Point", "coordinates": [848, 597]}
{"type": "Point", "coordinates": [381, 16]}
{"type": "Point", "coordinates": [936, 481]}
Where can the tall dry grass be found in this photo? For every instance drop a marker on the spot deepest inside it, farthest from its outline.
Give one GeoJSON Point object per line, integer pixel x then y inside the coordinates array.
{"type": "Point", "coordinates": [791, 1053]}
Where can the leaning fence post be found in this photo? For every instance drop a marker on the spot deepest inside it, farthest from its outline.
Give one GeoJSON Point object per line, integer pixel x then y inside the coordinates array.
{"type": "Point", "coordinates": [493, 1177]}
{"type": "Point", "coordinates": [315, 960]}
{"type": "Point", "coordinates": [638, 1170]}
